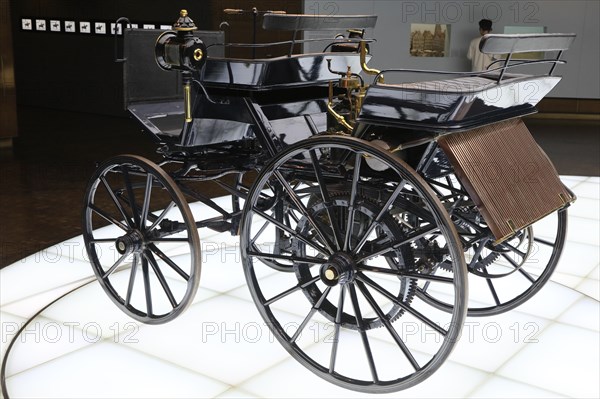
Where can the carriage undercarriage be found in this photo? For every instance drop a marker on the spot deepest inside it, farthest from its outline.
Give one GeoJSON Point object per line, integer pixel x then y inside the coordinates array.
{"type": "Point", "coordinates": [365, 223]}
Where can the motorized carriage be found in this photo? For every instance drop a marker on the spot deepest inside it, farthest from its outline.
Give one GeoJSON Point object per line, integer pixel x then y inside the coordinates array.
{"type": "Point", "coordinates": [364, 203]}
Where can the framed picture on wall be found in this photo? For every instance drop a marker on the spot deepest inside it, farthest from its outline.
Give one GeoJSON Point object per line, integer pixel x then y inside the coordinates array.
{"type": "Point", "coordinates": [430, 40]}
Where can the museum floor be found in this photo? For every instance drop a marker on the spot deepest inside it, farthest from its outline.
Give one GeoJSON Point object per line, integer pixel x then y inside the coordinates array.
{"type": "Point", "coordinates": [219, 347]}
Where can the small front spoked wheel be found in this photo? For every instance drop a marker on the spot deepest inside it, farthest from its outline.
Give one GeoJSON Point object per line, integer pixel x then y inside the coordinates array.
{"type": "Point", "coordinates": [362, 227]}
{"type": "Point", "coordinates": [141, 239]}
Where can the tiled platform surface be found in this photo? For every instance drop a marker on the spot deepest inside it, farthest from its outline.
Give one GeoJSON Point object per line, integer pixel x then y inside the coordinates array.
{"type": "Point", "coordinates": [82, 346]}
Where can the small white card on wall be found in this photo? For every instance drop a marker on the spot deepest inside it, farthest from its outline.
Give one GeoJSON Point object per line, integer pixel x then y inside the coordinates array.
{"type": "Point", "coordinates": [85, 27]}
{"type": "Point", "coordinates": [40, 24]}
{"type": "Point", "coordinates": [54, 25]}
{"type": "Point", "coordinates": [70, 26]}
{"type": "Point", "coordinates": [26, 24]}
{"type": "Point", "coordinates": [100, 28]}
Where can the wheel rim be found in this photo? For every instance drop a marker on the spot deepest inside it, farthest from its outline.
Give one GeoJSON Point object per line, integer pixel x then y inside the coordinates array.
{"type": "Point", "coordinates": [351, 272]}
{"type": "Point", "coordinates": [504, 276]}
{"type": "Point", "coordinates": [141, 239]}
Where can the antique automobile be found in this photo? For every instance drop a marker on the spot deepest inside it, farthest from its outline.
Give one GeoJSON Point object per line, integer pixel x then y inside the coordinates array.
{"type": "Point", "coordinates": [368, 202]}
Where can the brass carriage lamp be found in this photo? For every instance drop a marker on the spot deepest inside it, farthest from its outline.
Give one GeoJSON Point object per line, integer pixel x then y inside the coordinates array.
{"type": "Point", "coordinates": [180, 50]}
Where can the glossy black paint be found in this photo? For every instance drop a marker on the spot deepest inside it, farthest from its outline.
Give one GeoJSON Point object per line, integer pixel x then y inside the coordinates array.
{"type": "Point", "coordinates": [230, 120]}
{"type": "Point", "coordinates": [295, 71]}
{"type": "Point", "coordinates": [441, 107]}
{"type": "Point", "coordinates": [227, 119]}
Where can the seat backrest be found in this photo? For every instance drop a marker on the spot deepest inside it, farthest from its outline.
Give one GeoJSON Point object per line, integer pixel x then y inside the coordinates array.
{"type": "Point", "coordinates": [524, 43]}
{"type": "Point", "coordinates": [298, 22]}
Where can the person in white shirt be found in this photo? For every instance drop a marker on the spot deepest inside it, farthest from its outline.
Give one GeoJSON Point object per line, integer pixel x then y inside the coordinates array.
{"type": "Point", "coordinates": [480, 61]}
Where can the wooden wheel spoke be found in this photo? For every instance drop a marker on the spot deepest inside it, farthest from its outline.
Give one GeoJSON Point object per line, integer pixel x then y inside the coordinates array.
{"type": "Point", "coordinates": [115, 265]}
{"type": "Point", "coordinates": [293, 233]}
{"type": "Point", "coordinates": [298, 202]}
{"type": "Point", "coordinates": [290, 290]}
{"type": "Point", "coordinates": [147, 289]}
{"type": "Point", "coordinates": [169, 262]}
{"type": "Point", "coordinates": [493, 290]}
{"type": "Point", "coordinates": [146, 203]}
{"type": "Point", "coordinates": [336, 334]}
{"type": "Point", "coordinates": [107, 217]}
{"type": "Point", "coordinates": [326, 199]}
{"type": "Point", "coordinates": [130, 195]}
{"type": "Point", "coordinates": [408, 308]}
{"type": "Point", "coordinates": [116, 202]}
{"type": "Point", "coordinates": [161, 278]}
{"type": "Point", "coordinates": [363, 333]}
{"type": "Point", "coordinates": [310, 314]}
{"type": "Point", "coordinates": [161, 216]}
{"type": "Point", "coordinates": [378, 218]}
{"type": "Point", "coordinates": [131, 280]}
{"type": "Point", "coordinates": [388, 325]}
{"type": "Point", "coordinates": [415, 235]}
{"type": "Point", "coordinates": [291, 258]}
{"type": "Point", "coordinates": [353, 195]}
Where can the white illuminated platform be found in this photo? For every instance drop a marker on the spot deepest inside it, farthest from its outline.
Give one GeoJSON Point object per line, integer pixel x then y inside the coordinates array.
{"type": "Point", "coordinates": [83, 346]}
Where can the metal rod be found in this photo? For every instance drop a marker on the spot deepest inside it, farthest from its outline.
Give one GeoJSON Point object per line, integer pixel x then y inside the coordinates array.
{"type": "Point", "coordinates": [254, 15]}
{"type": "Point", "coordinates": [554, 65]}
{"type": "Point", "coordinates": [363, 63]}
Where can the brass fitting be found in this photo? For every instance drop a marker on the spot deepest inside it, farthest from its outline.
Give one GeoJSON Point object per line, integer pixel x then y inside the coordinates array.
{"type": "Point", "coordinates": [358, 98]}
{"type": "Point", "coordinates": [349, 81]}
{"type": "Point", "coordinates": [363, 62]}
{"type": "Point", "coordinates": [187, 100]}
{"type": "Point", "coordinates": [339, 118]}
{"type": "Point", "coordinates": [184, 23]}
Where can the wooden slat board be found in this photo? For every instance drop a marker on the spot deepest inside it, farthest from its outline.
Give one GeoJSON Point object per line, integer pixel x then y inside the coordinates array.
{"type": "Point", "coordinates": [508, 176]}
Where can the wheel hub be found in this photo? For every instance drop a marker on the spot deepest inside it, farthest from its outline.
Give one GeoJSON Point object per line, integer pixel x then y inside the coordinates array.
{"type": "Point", "coordinates": [339, 269]}
{"type": "Point", "coordinates": [130, 242]}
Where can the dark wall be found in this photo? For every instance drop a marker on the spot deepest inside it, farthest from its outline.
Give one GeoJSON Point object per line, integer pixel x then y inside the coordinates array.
{"type": "Point", "coordinates": [241, 26]}
{"type": "Point", "coordinates": [75, 71]}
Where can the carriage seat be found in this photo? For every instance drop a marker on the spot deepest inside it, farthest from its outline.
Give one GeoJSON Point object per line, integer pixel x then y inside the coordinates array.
{"type": "Point", "coordinates": [467, 84]}
{"type": "Point", "coordinates": [471, 99]}
{"type": "Point", "coordinates": [454, 104]}
{"type": "Point", "coordinates": [293, 70]}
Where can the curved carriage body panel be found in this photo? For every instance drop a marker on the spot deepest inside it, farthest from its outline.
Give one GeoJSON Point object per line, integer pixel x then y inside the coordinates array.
{"type": "Point", "coordinates": [276, 73]}
{"type": "Point", "coordinates": [449, 105]}
{"type": "Point", "coordinates": [289, 91]}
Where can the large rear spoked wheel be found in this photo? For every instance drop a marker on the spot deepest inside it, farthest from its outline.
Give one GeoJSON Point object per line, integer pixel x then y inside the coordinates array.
{"type": "Point", "coordinates": [362, 225]}
{"type": "Point", "coordinates": [138, 229]}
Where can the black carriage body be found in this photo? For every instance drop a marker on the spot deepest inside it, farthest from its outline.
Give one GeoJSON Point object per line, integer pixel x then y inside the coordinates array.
{"type": "Point", "coordinates": [243, 112]}
{"type": "Point", "coordinates": [289, 95]}
{"type": "Point", "coordinates": [259, 106]}
{"type": "Point", "coordinates": [452, 105]}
